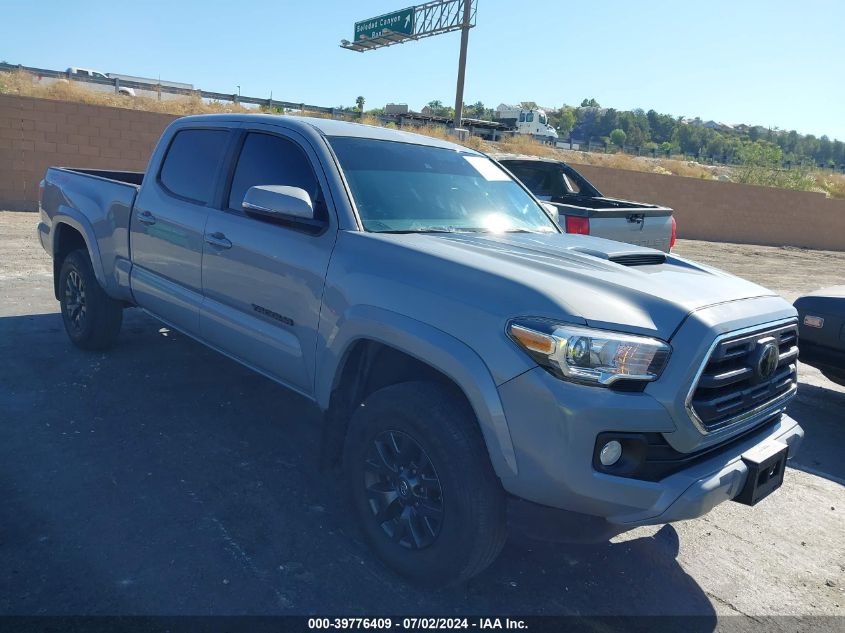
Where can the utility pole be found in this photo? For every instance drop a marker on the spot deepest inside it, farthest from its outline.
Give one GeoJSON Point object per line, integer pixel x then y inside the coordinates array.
{"type": "Point", "coordinates": [462, 64]}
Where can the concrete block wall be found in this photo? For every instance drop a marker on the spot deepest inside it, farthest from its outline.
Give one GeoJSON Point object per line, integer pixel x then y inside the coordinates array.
{"type": "Point", "coordinates": [37, 133]}
{"type": "Point", "coordinates": [731, 212]}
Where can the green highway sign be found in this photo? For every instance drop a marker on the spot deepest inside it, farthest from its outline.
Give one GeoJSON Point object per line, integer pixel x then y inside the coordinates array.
{"type": "Point", "coordinates": [401, 21]}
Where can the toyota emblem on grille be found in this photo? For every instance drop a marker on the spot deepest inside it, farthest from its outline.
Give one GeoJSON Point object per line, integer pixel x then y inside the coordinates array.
{"type": "Point", "coordinates": [768, 361]}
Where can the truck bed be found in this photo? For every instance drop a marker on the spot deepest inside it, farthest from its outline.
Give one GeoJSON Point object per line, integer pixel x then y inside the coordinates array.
{"type": "Point", "coordinates": [583, 209]}
{"type": "Point", "coordinates": [97, 203]}
{"type": "Point", "coordinates": [593, 206]}
{"type": "Point", "coordinates": [135, 178]}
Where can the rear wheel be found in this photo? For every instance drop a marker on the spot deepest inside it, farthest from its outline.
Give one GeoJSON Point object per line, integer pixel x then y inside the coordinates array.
{"type": "Point", "coordinates": [92, 319]}
{"type": "Point", "coordinates": [421, 484]}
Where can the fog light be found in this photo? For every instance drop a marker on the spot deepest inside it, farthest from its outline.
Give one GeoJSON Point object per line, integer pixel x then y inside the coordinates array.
{"type": "Point", "coordinates": [610, 453]}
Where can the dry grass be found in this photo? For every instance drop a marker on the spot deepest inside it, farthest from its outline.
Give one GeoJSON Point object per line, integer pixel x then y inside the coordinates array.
{"type": "Point", "coordinates": [525, 145]}
{"type": "Point", "coordinates": [640, 163]}
{"type": "Point", "coordinates": [21, 83]}
{"type": "Point", "coordinates": [435, 131]}
{"type": "Point", "coordinates": [528, 146]}
{"type": "Point", "coordinates": [832, 184]}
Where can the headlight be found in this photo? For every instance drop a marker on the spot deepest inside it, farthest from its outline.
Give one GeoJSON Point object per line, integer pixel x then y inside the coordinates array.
{"type": "Point", "coordinates": [588, 355]}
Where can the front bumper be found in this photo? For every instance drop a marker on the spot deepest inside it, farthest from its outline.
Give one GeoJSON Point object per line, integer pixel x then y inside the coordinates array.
{"type": "Point", "coordinates": [554, 425]}
{"type": "Point", "coordinates": [697, 490]}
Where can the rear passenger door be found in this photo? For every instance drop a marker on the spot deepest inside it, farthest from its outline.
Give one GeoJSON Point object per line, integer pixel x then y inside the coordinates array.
{"type": "Point", "coordinates": [168, 220]}
{"type": "Point", "coordinates": [262, 280]}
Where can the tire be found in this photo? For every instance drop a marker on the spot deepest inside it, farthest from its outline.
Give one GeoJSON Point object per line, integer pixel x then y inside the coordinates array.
{"type": "Point", "coordinates": [449, 523]}
{"type": "Point", "coordinates": [92, 319]}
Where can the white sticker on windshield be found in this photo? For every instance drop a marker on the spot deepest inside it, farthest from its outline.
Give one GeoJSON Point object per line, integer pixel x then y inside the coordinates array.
{"type": "Point", "coordinates": [486, 168]}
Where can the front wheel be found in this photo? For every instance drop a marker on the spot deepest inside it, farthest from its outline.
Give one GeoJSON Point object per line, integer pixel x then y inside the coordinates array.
{"type": "Point", "coordinates": [421, 484]}
{"type": "Point", "coordinates": [92, 319]}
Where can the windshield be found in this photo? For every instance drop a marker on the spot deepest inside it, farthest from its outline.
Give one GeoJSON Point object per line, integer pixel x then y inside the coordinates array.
{"type": "Point", "coordinates": [400, 187]}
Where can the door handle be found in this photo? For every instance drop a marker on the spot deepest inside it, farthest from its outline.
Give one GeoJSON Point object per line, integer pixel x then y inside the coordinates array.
{"type": "Point", "coordinates": [218, 239]}
{"type": "Point", "coordinates": [145, 217]}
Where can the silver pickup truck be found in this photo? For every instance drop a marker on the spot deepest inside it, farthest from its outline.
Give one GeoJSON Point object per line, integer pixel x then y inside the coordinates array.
{"type": "Point", "coordinates": [476, 367]}
{"type": "Point", "coordinates": [583, 210]}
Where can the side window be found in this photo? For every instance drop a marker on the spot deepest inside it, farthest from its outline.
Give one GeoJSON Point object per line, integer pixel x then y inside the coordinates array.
{"type": "Point", "coordinates": [530, 117]}
{"type": "Point", "coordinates": [571, 185]}
{"type": "Point", "coordinates": [271, 160]}
{"type": "Point", "coordinates": [522, 117]}
{"type": "Point", "coordinates": [191, 163]}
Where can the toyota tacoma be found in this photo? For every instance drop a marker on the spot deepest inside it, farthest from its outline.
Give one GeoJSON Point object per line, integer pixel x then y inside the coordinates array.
{"type": "Point", "coordinates": [474, 364]}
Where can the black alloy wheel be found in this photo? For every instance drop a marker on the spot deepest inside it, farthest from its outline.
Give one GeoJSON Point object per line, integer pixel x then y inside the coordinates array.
{"type": "Point", "coordinates": [74, 304]}
{"type": "Point", "coordinates": [404, 490]}
{"type": "Point", "coordinates": [91, 317]}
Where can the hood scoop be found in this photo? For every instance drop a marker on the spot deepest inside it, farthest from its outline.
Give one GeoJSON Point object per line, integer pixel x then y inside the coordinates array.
{"type": "Point", "coordinates": [631, 256]}
{"type": "Point", "coordinates": [639, 259]}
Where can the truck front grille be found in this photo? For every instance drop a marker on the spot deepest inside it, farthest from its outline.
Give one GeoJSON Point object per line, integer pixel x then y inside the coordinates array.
{"type": "Point", "coordinates": [742, 376]}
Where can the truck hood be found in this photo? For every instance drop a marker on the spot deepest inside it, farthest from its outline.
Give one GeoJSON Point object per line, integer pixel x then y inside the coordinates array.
{"type": "Point", "coordinates": [602, 282]}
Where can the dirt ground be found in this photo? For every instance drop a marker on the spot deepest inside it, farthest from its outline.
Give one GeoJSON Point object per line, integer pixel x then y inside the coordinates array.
{"type": "Point", "coordinates": [162, 478]}
{"type": "Point", "coordinates": [789, 270]}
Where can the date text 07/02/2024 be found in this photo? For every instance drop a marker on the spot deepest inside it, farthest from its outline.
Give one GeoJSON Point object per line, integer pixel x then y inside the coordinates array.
{"type": "Point", "coordinates": [416, 623]}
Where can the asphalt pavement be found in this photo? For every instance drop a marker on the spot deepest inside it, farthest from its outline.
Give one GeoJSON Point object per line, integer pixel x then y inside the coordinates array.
{"type": "Point", "coordinates": [163, 478]}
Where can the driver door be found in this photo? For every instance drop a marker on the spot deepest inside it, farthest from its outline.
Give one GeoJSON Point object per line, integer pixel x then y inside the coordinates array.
{"type": "Point", "coordinates": [262, 280]}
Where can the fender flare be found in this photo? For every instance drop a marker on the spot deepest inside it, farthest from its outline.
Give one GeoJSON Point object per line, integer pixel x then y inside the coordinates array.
{"type": "Point", "coordinates": [437, 349]}
{"type": "Point", "coordinates": [76, 220]}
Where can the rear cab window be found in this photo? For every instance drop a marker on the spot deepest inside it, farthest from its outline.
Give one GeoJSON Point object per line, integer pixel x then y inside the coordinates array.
{"type": "Point", "coordinates": [550, 181]}
{"type": "Point", "coordinates": [539, 178]}
{"type": "Point", "coordinates": [189, 169]}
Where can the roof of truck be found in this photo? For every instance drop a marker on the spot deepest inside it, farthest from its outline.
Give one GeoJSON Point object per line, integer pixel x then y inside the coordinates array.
{"type": "Point", "coordinates": [330, 127]}
{"type": "Point", "coordinates": [540, 159]}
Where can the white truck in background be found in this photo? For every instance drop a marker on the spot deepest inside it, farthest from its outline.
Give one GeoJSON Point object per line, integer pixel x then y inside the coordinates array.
{"type": "Point", "coordinates": [147, 80]}
{"type": "Point", "coordinates": [74, 72]}
{"type": "Point", "coordinates": [528, 121]}
{"type": "Point", "coordinates": [152, 92]}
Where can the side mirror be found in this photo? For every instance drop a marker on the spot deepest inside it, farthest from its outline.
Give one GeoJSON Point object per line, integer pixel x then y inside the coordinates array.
{"type": "Point", "coordinates": [277, 202]}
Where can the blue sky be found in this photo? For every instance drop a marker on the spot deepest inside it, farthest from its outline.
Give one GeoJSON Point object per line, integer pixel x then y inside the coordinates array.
{"type": "Point", "coordinates": [772, 62]}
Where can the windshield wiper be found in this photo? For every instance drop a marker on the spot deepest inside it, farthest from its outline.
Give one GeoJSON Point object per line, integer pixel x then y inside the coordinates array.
{"type": "Point", "coordinates": [460, 230]}
{"type": "Point", "coordinates": [439, 229]}
{"type": "Point", "coordinates": [402, 231]}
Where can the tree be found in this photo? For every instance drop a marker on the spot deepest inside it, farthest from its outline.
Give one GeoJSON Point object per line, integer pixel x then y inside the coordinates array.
{"type": "Point", "coordinates": [438, 109]}
{"type": "Point", "coordinates": [476, 110]}
{"type": "Point", "coordinates": [590, 103]}
{"type": "Point", "coordinates": [618, 137]}
{"type": "Point", "coordinates": [566, 121]}
{"type": "Point", "coordinates": [360, 103]}
{"type": "Point", "coordinates": [661, 125]}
